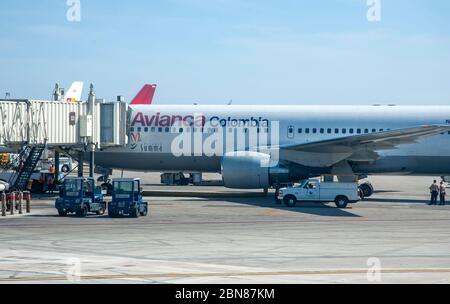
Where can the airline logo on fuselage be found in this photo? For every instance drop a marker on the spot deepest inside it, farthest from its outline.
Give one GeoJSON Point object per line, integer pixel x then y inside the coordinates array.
{"type": "Point", "coordinates": [195, 120]}
{"type": "Point", "coordinates": [158, 120]}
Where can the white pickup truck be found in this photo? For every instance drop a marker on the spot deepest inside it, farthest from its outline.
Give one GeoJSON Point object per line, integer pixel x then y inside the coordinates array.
{"type": "Point", "coordinates": [315, 191]}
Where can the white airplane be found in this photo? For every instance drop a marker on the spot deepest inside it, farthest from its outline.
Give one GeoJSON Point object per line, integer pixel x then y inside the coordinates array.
{"type": "Point", "coordinates": [310, 141]}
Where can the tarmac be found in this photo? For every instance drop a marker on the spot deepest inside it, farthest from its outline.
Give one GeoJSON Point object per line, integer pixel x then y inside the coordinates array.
{"type": "Point", "coordinates": [241, 237]}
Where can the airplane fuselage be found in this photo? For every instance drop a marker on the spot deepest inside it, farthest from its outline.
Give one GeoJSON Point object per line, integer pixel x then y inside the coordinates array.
{"type": "Point", "coordinates": [153, 130]}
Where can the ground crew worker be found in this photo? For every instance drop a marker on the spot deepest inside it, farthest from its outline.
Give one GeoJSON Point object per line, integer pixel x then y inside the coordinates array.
{"type": "Point", "coordinates": [442, 193]}
{"type": "Point", "coordinates": [434, 190]}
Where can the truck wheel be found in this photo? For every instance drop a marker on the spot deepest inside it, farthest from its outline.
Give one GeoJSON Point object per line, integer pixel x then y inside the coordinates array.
{"type": "Point", "coordinates": [65, 169]}
{"type": "Point", "coordinates": [83, 212]}
{"type": "Point", "coordinates": [62, 213]}
{"type": "Point", "coordinates": [145, 212]}
{"type": "Point", "coordinates": [135, 213]}
{"type": "Point", "coordinates": [290, 201]}
{"type": "Point", "coordinates": [341, 202]}
{"type": "Point", "coordinates": [101, 211]}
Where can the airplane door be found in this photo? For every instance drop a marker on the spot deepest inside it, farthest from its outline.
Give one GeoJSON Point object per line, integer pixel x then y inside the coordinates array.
{"type": "Point", "coordinates": [291, 132]}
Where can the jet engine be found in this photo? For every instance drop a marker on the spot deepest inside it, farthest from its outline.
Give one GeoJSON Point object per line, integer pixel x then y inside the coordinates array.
{"type": "Point", "coordinates": [251, 170]}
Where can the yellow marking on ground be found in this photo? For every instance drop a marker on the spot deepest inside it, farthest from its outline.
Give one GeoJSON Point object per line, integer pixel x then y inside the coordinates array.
{"type": "Point", "coordinates": [230, 274]}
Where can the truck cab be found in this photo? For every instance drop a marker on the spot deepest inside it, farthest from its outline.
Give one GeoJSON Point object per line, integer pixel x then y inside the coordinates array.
{"type": "Point", "coordinates": [316, 191]}
{"type": "Point", "coordinates": [127, 198]}
{"type": "Point", "coordinates": [80, 196]}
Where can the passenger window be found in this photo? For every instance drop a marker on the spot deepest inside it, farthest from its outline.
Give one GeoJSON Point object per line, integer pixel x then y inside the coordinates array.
{"type": "Point", "coordinates": [307, 130]}
{"type": "Point", "coordinates": [139, 129]}
{"type": "Point", "coordinates": [300, 131]}
{"type": "Point", "coordinates": [160, 130]}
{"type": "Point", "coordinates": [314, 130]}
{"type": "Point", "coordinates": [322, 131]}
{"type": "Point", "coordinates": [329, 131]}
{"type": "Point", "coordinates": [358, 131]}
{"type": "Point", "coordinates": [374, 130]}
{"type": "Point", "coordinates": [336, 131]}
{"type": "Point", "coordinates": [344, 131]}
{"type": "Point", "coordinates": [366, 131]}
{"type": "Point", "coordinates": [352, 131]}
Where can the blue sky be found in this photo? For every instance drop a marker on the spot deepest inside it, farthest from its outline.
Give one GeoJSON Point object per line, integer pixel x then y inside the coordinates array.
{"type": "Point", "coordinates": [211, 51]}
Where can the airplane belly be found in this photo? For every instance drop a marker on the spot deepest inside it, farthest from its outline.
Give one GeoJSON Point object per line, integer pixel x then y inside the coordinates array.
{"type": "Point", "coordinates": [157, 162]}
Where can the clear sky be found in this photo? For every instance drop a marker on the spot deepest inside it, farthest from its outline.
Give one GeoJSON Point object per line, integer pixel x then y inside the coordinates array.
{"type": "Point", "coordinates": [211, 51]}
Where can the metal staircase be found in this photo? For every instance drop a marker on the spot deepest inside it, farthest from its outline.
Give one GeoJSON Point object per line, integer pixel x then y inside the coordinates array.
{"type": "Point", "coordinates": [25, 171]}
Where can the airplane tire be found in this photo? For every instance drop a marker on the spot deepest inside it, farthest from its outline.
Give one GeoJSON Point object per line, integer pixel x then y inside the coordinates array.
{"type": "Point", "coordinates": [290, 201]}
{"type": "Point", "coordinates": [367, 189]}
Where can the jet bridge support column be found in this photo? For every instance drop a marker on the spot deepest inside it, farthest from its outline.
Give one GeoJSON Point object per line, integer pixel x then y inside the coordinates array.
{"type": "Point", "coordinates": [80, 164]}
{"type": "Point", "coordinates": [91, 160]}
{"type": "Point", "coordinates": [57, 162]}
{"type": "Point", "coordinates": [90, 144]}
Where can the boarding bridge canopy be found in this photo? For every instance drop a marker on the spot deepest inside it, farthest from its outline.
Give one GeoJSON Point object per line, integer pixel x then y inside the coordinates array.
{"type": "Point", "coordinates": [58, 123]}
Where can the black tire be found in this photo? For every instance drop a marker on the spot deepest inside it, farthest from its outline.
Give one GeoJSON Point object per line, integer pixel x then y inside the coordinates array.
{"type": "Point", "coordinates": [341, 202]}
{"type": "Point", "coordinates": [65, 169]}
{"type": "Point", "coordinates": [367, 189]}
{"type": "Point", "coordinates": [145, 212]}
{"type": "Point", "coordinates": [135, 213]}
{"type": "Point", "coordinates": [101, 211]}
{"type": "Point", "coordinates": [62, 213]}
{"type": "Point", "coordinates": [83, 212]}
{"type": "Point", "coordinates": [112, 214]}
{"type": "Point", "coordinates": [290, 201]}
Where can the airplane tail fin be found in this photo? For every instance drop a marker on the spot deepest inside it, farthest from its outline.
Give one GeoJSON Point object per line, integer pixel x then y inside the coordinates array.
{"type": "Point", "coordinates": [74, 92]}
{"type": "Point", "coordinates": [145, 95]}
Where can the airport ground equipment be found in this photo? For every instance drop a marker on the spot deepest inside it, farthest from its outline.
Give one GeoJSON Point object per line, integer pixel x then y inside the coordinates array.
{"type": "Point", "coordinates": [127, 199]}
{"type": "Point", "coordinates": [80, 196]}
{"type": "Point", "coordinates": [316, 191]}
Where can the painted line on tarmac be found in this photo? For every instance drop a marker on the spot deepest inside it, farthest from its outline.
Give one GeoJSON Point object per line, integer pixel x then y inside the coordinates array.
{"type": "Point", "coordinates": [231, 274]}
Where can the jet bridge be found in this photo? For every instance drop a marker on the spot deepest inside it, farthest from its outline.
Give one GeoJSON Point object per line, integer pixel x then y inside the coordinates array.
{"type": "Point", "coordinates": [62, 124]}
{"type": "Point", "coordinates": [27, 127]}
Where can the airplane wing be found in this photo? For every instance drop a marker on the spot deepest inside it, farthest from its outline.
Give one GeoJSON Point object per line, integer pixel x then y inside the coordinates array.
{"type": "Point", "coordinates": [145, 95]}
{"type": "Point", "coordinates": [364, 147]}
